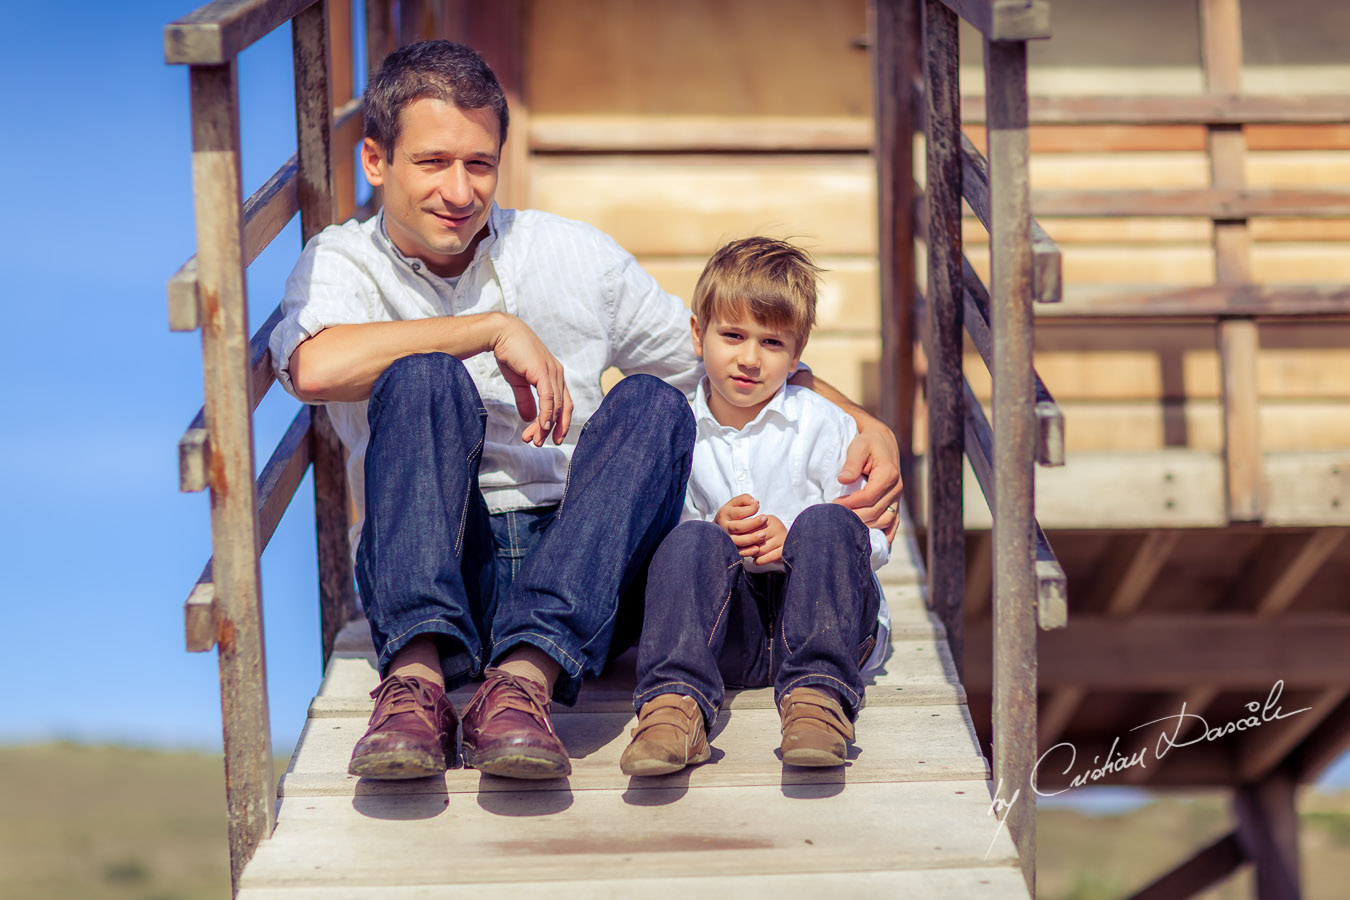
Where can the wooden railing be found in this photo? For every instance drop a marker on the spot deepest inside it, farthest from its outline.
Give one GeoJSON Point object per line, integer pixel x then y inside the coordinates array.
{"type": "Point", "coordinates": [1029, 585]}
{"type": "Point", "coordinates": [224, 608]}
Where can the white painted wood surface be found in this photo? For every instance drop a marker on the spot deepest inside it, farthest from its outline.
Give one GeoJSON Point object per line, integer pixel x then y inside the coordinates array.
{"type": "Point", "coordinates": [908, 816]}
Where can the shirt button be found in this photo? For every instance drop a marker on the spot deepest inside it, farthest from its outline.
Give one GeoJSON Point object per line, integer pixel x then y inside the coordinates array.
{"type": "Point", "coordinates": [417, 267]}
{"type": "Point", "coordinates": [740, 476]}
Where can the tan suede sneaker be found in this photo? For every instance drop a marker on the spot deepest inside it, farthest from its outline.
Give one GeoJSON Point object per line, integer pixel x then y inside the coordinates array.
{"type": "Point", "coordinates": [669, 736]}
{"type": "Point", "coordinates": [815, 728]}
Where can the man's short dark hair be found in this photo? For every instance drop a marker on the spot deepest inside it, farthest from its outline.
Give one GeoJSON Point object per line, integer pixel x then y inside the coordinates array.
{"type": "Point", "coordinates": [443, 70]}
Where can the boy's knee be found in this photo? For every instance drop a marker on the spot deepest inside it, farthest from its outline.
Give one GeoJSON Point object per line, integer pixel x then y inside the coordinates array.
{"type": "Point", "coordinates": [693, 540]}
{"type": "Point", "coordinates": [826, 522]}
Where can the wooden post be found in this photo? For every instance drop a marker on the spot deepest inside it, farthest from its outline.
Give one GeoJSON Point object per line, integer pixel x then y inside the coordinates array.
{"type": "Point", "coordinates": [1014, 685]}
{"type": "Point", "coordinates": [945, 329]}
{"type": "Point", "coordinates": [896, 46]}
{"type": "Point", "coordinates": [1221, 49]}
{"type": "Point", "coordinates": [249, 789]}
{"type": "Point", "coordinates": [497, 30]}
{"type": "Point", "coordinates": [315, 184]}
{"type": "Point", "coordinates": [1268, 830]}
{"type": "Point", "coordinates": [341, 89]}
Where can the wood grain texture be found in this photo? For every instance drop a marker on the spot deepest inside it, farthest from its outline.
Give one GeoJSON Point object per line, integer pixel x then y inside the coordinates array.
{"type": "Point", "coordinates": [943, 331]}
{"type": "Point", "coordinates": [1165, 652]}
{"type": "Point", "coordinates": [228, 419]}
{"type": "Point", "coordinates": [938, 884]}
{"type": "Point", "coordinates": [218, 32]}
{"type": "Point", "coordinates": [1215, 108]}
{"type": "Point", "coordinates": [548, 835]}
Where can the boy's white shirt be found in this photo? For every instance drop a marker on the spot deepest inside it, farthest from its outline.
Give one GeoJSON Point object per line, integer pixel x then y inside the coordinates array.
{"type": "Point", "coordinates": [788, 458]}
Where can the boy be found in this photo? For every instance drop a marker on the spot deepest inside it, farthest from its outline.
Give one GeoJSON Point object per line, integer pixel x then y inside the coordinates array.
{"type": "Point", "coordinates": [765, 581]}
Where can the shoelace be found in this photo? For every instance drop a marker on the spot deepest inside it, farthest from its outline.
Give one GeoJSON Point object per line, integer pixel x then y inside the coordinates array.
{"type": "Point", "coordinates": [400, 694]}
{"type": "Point", "coordinates": [517, 694]}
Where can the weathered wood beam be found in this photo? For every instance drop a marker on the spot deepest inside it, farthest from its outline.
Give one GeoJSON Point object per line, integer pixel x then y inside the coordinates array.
{"type": "Point", "coordinates": [1282, 567]}
{"type": "Point", "coordinates": [1205, 203]}
{"type": "Point", "coordinates": [1205, 869]}
{"type": "Point", "coordinates": [895, 25]}
{"type": "Point", "coordinates": [1239, 348]}
{"type": "Point", "coordinates": [1264, 752]}
{"type": "Point", "coordinates": [943, 331]}
{"type": "Point", "coordinates": [1210, 302]}
{"type": "Point", "coordinates": [1047, 280]}
{"type": "Point", "coordinates": [1005, 20]}
{"type": "Point", "coordinates": [1221, 51]}
{"type": "Point", "coordinates": [1129, 570]}
{"type": "Point", "coordinates": [1051, 583]}
{"type": "Point", "coordinates": [1018, 600]}
{"type": "Point", "coordinates": [216, 33]}
{"type": "Point", "coordinates": [276, 487]}
{"type": "Point", "coordinates": [319, 207]}
{"type": "Point", "coordinates": [1328, 742]}
{"type": "Point", "coordinates": [1123, 579]}
{"type": "Point", "coordinates": [979, 575]}
{"type": "Point", "coordinates": [249, 789]}
{"type": "Point", "coordinates": [1213, 108]}
{"type": "Point", "coordinates": [265, 214]}
{"type": "Point", "coordinates": [1162, 652]}
{"type": "Point", "coordinates": [194, 447]}
{"type": "Point", "coordinates": [1049, 418]}
{"type": "Point", "coordinates": [1268, 830]}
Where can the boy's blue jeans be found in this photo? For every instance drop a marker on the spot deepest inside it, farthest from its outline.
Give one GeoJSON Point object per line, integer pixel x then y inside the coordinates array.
{"type": "Point", "coordinates": [567, 579]}
{"type": "Point", "coordinates": [710, 624]}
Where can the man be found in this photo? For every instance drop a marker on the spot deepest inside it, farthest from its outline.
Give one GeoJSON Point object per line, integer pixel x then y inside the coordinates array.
{"type": "Point", "coordinates": [511, 546]}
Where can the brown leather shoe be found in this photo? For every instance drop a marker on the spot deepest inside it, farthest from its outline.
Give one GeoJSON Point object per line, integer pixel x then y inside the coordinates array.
{"type": "Point", "coordinates": [411, 733]}
{"type": "Point", "coordinates": [669, 736]}
{"type": "Point", "coordinates": [508, 732]}
{"type": "Point", "coordinates": [815, 728]}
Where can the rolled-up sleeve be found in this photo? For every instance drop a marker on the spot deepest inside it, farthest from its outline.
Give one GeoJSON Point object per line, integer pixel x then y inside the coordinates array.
{"type": "Point", "coordinates": [326, 287]}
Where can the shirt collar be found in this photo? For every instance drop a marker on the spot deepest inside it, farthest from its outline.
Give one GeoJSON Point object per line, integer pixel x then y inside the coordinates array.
{"type": "Point", "coordinates": [776, 407]}
{"type": "Point", "coordinates": [489, 246]}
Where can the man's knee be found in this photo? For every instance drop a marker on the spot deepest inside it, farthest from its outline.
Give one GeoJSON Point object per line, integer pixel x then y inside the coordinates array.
{"type": "Point", "coordinates": [657, 402]}
{"type": "Point", "coordinates": [425, 379]}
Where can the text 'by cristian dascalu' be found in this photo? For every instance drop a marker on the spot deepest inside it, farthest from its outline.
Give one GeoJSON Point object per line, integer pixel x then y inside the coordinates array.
{"type": "Point", "coordinates": [1170, 737]}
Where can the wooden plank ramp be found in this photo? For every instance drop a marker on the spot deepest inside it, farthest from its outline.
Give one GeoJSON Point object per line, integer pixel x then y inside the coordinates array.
{"type": "Point", "coordinates": [908, 816]}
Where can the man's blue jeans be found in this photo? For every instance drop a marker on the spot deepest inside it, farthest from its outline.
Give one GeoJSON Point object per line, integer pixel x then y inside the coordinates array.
{"type": "Point", "coordinates": [710, 624]}
{"type": "Point", "coordinates": [428, 563]}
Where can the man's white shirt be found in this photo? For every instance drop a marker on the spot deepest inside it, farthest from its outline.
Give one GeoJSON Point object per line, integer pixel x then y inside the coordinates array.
{"type": "Point", "coordinates": [585, 297]}
{"type": "Point", "coordinates": [788, 458]}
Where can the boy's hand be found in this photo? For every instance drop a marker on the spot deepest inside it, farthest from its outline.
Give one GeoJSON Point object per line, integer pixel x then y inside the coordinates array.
{"type": "Point", "coordinates": [737, 518]}
{"type": "Point", "coordinates": [770, 549]}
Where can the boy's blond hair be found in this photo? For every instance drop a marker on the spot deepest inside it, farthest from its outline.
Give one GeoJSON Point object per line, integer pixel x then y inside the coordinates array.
{"type": "Point", "coordinates": [772, 279]}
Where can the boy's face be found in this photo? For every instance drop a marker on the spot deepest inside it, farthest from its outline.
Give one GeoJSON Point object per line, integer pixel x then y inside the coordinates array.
{"type": "Point", "coordinates": [439, 181]}
{"type": "Point", "coordinates": [747, 362]}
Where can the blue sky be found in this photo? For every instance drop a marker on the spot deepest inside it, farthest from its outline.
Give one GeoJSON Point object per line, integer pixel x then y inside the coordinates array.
{"type": "Point", "coordinates": [99, 547]}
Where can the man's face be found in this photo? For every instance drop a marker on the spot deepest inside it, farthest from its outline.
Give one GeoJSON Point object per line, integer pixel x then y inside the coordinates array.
{"type": "Point", "coordinates": [439, 181]}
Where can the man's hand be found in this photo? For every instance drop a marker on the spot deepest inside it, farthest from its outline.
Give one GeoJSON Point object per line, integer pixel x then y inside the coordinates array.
{"type": "Point", "coordinates": [525, 362]}
{"type": "Point", "coordinates": [874, 453]}
{"type": "Point", "coordinates": [737, 518]}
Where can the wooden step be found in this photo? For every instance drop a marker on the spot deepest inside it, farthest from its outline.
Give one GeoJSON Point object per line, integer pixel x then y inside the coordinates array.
{"type": "Point", "coordinates": [561, 835]}
{"type": "Point", "coordinates": [931, 884]}
{"type": "Point", "coordinates": [920, 743]}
